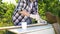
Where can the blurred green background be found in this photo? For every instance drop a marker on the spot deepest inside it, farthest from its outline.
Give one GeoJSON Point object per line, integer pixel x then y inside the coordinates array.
{"type": "Point", "coordinates": [6, 11]}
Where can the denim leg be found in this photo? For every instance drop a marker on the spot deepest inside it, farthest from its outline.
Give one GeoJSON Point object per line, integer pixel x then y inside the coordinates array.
{"type": "Point", "coordinates": [29, 20]}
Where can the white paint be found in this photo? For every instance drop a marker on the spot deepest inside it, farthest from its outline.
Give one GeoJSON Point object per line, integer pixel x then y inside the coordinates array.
{"type": "Point", "coordinates": [24, 25]}
{"type": "Point", "coordinates": [47, 29]}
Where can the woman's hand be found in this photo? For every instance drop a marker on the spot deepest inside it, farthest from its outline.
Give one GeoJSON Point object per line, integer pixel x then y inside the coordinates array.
{"type": "Point", "coordinates": [25, 13]}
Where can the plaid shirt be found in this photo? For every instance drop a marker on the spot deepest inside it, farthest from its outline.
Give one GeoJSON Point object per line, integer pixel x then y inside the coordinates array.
{"type": "Point", "coordinates": [27, 5]}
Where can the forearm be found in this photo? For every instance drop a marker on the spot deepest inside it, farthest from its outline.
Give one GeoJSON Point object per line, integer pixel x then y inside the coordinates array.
{"type": "Point", "coordinates": [37, 17]}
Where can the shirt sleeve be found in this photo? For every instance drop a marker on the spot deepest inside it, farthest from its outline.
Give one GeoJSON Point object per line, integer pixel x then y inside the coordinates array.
{"type": "Point", "coordinates": [21, 5]}
{"type": "Point", "coordinates": [35, 7]}
{"type": "Point", "coordinates": [17, 18]}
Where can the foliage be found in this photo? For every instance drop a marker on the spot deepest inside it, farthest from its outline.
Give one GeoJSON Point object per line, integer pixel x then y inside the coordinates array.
{"type": "Point", "coordinates": [6, 12]}
{"type": "Point", "coordinates": [17, 1]}
{"type": "Point", "coordinates": [52, 6]}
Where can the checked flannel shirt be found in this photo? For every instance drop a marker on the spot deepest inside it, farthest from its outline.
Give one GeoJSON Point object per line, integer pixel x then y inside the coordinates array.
{"type": "Point", "coordinates": [31, 7]}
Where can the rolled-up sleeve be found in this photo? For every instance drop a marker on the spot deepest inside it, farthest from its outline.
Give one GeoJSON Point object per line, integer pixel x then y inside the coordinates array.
{"type": "Point", "coordinates": [21, 5]}
{"type": "Point", "coordinates": [35, 7]}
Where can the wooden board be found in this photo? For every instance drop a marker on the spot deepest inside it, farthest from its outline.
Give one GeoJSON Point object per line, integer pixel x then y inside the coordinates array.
{"type": "Point", "coordinates": [14, 27]}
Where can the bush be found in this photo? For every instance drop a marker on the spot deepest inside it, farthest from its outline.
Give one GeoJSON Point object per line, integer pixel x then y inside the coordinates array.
{"type": "Point", "coordinates": [52, 6]}
{"type": "Point", "coordinates": [6, 12]}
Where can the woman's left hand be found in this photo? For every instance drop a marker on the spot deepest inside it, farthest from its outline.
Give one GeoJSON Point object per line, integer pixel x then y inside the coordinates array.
{"type": "Point", "coordinates": [25, 13]}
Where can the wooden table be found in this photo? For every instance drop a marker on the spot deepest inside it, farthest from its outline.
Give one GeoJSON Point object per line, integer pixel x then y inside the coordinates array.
{"type": "Point", "coordinates": [45, 29]}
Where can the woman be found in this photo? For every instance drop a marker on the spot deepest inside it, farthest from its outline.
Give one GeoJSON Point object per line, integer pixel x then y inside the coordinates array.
{"type": "Point", "coordinates": [26, 10]}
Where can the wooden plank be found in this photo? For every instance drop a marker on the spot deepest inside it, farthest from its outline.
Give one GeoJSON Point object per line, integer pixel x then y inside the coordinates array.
{"type": "Point", "coordinates": [14, 27]}
{"type": "Point", "coordinates": [56, 28]}
{"type": "Point", "coordinates": [32, 29]}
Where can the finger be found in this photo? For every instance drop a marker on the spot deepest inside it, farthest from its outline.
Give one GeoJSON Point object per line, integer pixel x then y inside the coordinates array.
{"type": "Point", "coordinates": [21, 12]}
